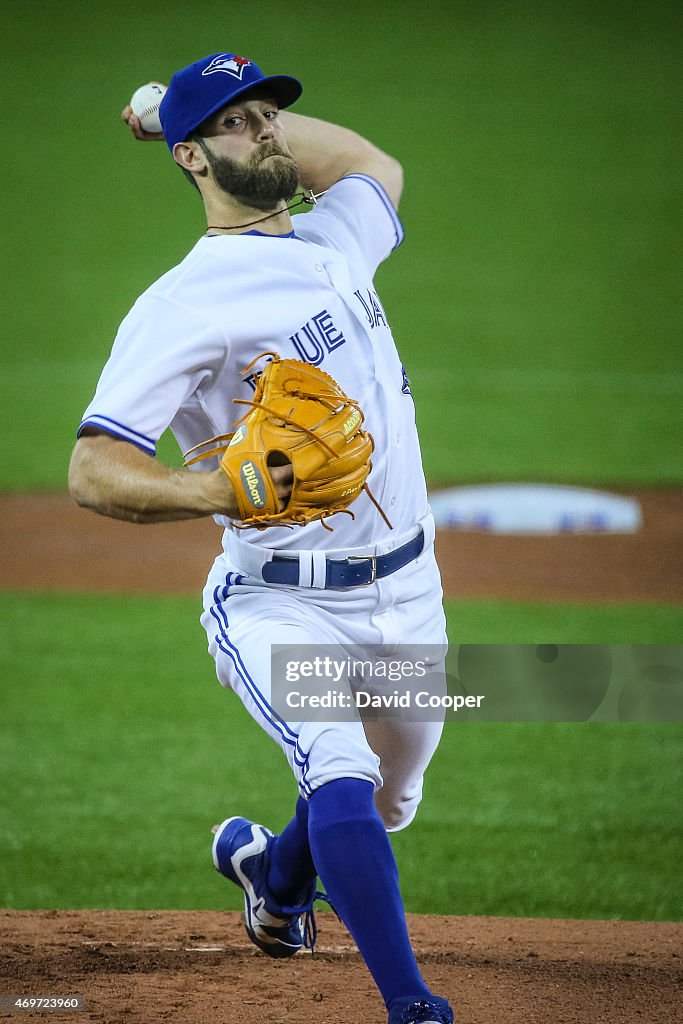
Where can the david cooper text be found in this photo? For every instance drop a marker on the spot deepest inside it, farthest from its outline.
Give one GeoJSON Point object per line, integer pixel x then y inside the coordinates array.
{"type": "Point", "coordinates": [362, 699]}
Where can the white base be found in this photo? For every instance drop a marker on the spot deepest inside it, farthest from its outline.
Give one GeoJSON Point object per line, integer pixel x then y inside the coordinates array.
{"type": "Point", "coordinates": [534, 508]}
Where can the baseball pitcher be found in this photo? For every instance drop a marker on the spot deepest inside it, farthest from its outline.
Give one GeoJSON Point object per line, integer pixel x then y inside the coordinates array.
{"type": "Point", "coordinates": [268, 353]}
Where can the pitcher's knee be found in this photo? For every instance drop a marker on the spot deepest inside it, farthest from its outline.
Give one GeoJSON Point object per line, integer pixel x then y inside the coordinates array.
{"type": "Point", "coordinates": [397, 809]}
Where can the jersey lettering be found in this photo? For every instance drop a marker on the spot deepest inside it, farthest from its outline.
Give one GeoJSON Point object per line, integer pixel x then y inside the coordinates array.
{"type": "Point", "coordinates": [317, 338]}
{"type": "Point", "coordinates": [329, 333]}
{"type": "Point", "coordinates": [372, 307]}
{"type": "Point", "coordinates": [377, 310]}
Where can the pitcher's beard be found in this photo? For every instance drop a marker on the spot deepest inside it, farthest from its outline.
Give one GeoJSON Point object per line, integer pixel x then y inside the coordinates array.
{"type": "Point", "coordinates": [269, 177]}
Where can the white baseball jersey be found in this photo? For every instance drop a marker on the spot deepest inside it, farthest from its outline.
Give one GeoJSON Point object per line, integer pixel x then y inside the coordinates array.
{"type": "Point", "coordinates": [178, 355]}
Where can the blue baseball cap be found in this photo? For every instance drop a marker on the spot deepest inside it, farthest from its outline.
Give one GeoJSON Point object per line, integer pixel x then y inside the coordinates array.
{"type": "Point", "coordinates": [202, 88]}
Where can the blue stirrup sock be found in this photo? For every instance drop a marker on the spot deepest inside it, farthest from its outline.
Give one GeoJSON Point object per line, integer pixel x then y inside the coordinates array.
{"type": "Point", "coordinates": [291, 871]}
{"type": "Point", "coordinates": [356, 863]}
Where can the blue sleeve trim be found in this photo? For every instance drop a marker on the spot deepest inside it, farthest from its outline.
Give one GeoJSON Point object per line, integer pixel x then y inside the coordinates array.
{"type": "Point", "coordinates": [116, 429]}
{"type": "Point", "coordinates": [389, 206]}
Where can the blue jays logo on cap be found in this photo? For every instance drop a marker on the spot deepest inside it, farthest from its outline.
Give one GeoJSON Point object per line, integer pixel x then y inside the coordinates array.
{"type": "Point", "coordinates": [199, 90]}
{"type": "Point", "coordinates": [227, 63]}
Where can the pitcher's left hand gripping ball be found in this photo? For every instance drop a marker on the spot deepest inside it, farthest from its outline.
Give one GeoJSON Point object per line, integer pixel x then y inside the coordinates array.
{"type": "Point", "coordinates": [299, 415]}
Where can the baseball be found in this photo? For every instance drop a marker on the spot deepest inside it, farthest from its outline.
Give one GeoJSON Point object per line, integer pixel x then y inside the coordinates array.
{"type": "Point", "coordinates": [145, 104]}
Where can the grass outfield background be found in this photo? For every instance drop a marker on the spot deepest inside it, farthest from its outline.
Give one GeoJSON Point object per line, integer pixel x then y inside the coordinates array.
{"type": "Point", "coordinates": [535, 301]}
{"type": "Point", "coordinates": [535, 306]}
{"type": "Point", "coordinates": [120, 752]}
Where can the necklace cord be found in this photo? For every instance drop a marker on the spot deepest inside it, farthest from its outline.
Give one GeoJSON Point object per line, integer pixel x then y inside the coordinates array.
{"type": "Point", "coordinates": [309, 198]}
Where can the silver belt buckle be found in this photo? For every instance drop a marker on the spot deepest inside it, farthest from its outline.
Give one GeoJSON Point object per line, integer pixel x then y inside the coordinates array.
{"type": "Point", "coordinates": [365, 558]}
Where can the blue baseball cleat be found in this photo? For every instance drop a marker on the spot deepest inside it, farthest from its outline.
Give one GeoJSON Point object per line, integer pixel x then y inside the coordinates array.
{"type": "Point", "coordinates": [241, 852]}
{"type": "Point", "coordinates": [421, 1011]}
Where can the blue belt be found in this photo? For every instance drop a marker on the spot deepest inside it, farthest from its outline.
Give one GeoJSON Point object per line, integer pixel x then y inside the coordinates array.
{"type": "Point", "coordinates": [347, 572]}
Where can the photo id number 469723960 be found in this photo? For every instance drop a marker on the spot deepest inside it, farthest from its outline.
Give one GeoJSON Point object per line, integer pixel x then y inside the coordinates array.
{"type": "Point", "coordinates": [41, 1003]}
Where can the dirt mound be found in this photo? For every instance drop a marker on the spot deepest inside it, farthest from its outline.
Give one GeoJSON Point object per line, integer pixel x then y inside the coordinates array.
{"type": "Point", "coordinates": [192, 967]}
{"type": "Point", "coordinates": [50, 544]}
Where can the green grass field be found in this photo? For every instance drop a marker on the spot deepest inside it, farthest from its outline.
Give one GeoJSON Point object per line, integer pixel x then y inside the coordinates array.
{"type": "Point", "coordinates": [535, 301]}
{"type": "Point", "coordinates": [120, 750]}
{"type": "Point", "coordinates": [535, 304]}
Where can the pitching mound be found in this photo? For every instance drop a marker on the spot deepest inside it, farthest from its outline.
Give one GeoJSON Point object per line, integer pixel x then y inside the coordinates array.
{"type": "Point", "coordinates": [192, 968]}
{"type": "Point", "coordinates": [83, 552]}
